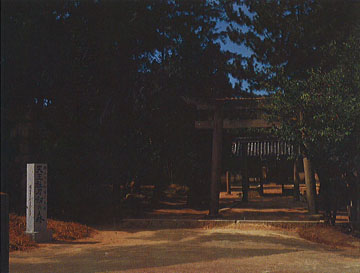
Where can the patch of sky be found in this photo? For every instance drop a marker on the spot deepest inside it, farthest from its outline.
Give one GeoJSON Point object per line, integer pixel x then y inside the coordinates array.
{"type": "Point", "coordinates": [287, 12]}
{"type": "Point", "coordinates": [245, 9]}
{"type": "Point", "coordinates": [231, 61]}
{"type": "Point", "coordinates": [233, 80]}
{"type": "Point", "coordinates": [66, 15]}
{"type": "Point", "coordinates": [59, 16]}
{"type": "Point", "coordinates": [227, 45]}
{"type": "Point", "coordinates": [244, 86]}
{"type": "Point", "coordinates": [45, 102]}
{"type": "Point", "coordinates": [240, 48]}
{"type": "Point", "coordinates": [157, 55]}
{"type": "Point", "coordinates": [232, 47]}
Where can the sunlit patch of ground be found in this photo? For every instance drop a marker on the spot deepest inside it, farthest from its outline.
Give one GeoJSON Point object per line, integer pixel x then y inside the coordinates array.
{"type": "Point", "coordinates": [271, 206]}
{"type": "Point", "coordinates": [247, 248]}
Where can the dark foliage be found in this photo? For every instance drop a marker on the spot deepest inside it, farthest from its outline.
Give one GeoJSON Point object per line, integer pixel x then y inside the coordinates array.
{"type": "Point", "coordinates": [94, 89]}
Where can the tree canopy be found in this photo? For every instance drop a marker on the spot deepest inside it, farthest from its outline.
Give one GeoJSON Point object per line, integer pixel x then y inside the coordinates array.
{"type": "Point", "coordinates": [98, 87]}
{"type": "Point", "coordinates": [305, 54]}
{"type": "Point", "coordinates": [287, 37]}
{"type": "Point", "coordinates": [94, 88]}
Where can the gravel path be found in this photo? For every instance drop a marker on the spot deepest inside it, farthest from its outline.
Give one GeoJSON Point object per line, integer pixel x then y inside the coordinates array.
{"type": "Point", "coordinates": [188, 250]}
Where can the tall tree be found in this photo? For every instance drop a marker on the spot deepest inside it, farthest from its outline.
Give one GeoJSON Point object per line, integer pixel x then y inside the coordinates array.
{"type": "Point", "coordinates": [105, 80]}
{"type": "Point", "coordinates": [287, 36]}
{"type": "Point", "coordinates": [289, 39]}
{"type": "Point", "coordinates": [325, 122]}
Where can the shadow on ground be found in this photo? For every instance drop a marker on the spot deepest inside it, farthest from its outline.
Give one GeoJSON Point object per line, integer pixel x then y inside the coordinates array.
{"type": "Point", "coordinates": [162, 248]}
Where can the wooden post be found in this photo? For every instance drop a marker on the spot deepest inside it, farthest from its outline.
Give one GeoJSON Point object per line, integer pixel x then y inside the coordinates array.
{"type": "Point", "coordinates": [281, 176]}
{"type": "Point", "coordinates": [296, 181]}
{"type": "Point", "coordinates": [228, 186]}
{"type": "Point", "coordinates": [216, 162]}
{"type": "Point", "coordinates": [245, 180]}
{"type": "Point", "coordinates": [357, 200]}
{"type": "Point", "coordinates": [264, 177]}
{"type": "Point", "coordinates": [4, 232]}
{"type": "Point", "coordinates": [261, 186]}
{"type": "Point", "coordinates": [310, 185]}
{"type": "Point", "coordinates": [357, 211]}
{"type": "Point", "coordinates": [354, 209]}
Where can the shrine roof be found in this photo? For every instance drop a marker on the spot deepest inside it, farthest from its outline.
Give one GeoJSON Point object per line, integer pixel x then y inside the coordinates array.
{"type": "Point", "coordinates": [262, 147]}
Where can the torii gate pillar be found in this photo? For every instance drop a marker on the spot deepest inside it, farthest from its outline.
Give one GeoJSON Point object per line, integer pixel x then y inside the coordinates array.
{"type": "Point", "coordinates": [216, 161]}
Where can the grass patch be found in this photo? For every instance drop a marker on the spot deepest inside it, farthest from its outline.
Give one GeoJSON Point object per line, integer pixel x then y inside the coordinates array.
{"type": "Point", "coordinates": [62, 231]}
{"type": "Point", "coordinates": [18, 240]}
{"type": "Point", "coordinates": [332, 236]}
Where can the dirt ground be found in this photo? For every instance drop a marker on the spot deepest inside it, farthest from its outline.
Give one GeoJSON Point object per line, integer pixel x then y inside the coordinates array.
{"type": "Point", "coordinates": [239, 248]}
{"type": "Point", "coordinates": [272, 206]}
{"type": "Point", "coordinates": [252, 248]}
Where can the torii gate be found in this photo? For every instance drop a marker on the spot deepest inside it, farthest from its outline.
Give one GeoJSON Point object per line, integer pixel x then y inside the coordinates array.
{"type": "Point", "coordinates": [253, 108]}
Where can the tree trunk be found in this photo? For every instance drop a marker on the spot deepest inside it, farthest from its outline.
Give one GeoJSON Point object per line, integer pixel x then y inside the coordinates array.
{"type": "Point", "coordinates": [216, 163]}
{"type": "Point", "coordinates": [357, 199]}
{"type": "Point", "coordinates": [357, 211]}
{"type": "Point", "coordinates": [354, 213]}
{"type": "Point", "coordinates": [310, 186]}
{"type": "Point", "coordinates": [296, 181]}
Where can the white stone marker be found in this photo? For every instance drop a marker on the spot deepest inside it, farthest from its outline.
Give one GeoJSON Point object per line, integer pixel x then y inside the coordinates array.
{"type": "Point", "coordinates": [36, 211]}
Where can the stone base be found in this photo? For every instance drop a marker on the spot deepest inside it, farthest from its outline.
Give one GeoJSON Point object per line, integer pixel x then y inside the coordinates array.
{"type": "Point", "coordinates": [40, 237]}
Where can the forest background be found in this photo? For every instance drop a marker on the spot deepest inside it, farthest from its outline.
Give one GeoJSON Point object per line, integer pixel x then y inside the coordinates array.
{"type": "Point", "coordinates": [95, 88]}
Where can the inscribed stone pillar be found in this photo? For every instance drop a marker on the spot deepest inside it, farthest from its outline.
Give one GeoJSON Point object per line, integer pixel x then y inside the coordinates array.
{"type": "Point", "coordinates": [36, 201]}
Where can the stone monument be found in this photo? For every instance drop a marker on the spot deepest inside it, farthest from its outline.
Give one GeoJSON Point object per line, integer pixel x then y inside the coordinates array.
{"type": "Point", "coordinates": [36, 203]}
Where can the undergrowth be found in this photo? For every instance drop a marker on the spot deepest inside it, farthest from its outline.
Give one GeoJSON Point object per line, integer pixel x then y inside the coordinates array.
{"type": "Point", "coordinates": [62, 231]}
